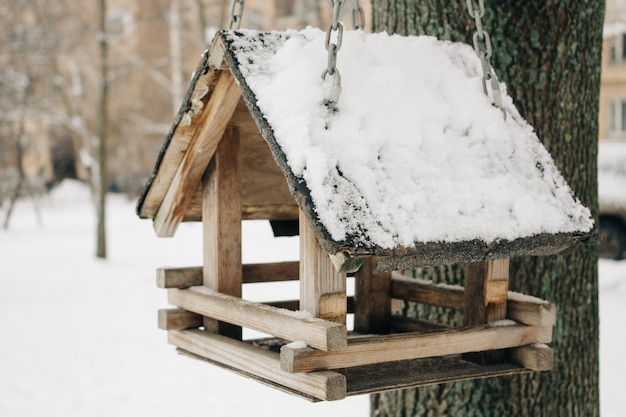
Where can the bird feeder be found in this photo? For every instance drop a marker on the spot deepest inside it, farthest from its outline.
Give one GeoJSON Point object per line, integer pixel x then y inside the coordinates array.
{"type": "Point", "coordinates": [406, 173]}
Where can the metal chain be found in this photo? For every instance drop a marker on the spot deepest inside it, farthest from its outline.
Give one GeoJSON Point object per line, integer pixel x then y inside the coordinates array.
{"type": "Point", "coordinates": [235, 14]}
{"type": "Point", "coordinates": [333, 48]}
{"type": "Point", "coordinates": [482, 46]}
{"type": "Point", "coordinates": [358, 16]}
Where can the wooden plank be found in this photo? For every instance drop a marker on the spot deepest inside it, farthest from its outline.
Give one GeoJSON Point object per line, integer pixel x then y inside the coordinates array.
{"type": "Point", "coordinates": [485, 299]}
{"type": "Point", "coordinates": [536, 357]}
{"type": "Point", "coordinates": [265, 192]}
{"type": "Point", "coordinates": [289, 325]}
{"type": "Point", "coordinates": [372, 304]}
{"type": "Point", "coordinates": [426, 292]}
{"type": "Point", "coordinates": [212, 123]}
{"type": "Point", "coordinates": [531, 310]}
{"type": "Point", "coordinates": [202, 84]}
{"type": "Point", "coordinates": [294, 305]}
{"type": "Point", "coordinates": [179, 277]}
{"type": "Point", "coordinates": [252, 273]}
{"type": "Point", "coordinates": [221, 213]}
{"type": "Point", "coordinates": [258, 362]}
{"type": "Point", "coordinates": [271, 272]}
{"type": "Point", "coordinates": [421, 372]}
{"type": "Point", "coordinates": [404, 346]}
{"type": "Point", "coordinates": [178, 319]}
{"type": "Point", "coordinates": [521, 308]}
{"type": "Point", "coordinates": [322, 288]}
{"type": "Point", "coordinates": [403, 324]}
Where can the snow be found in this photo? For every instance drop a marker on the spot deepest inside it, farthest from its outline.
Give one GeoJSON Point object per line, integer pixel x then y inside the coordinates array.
{"type": "Point", "coordinates": [80, 337]}
{"type": "Point", "coordinates": [416, 153]}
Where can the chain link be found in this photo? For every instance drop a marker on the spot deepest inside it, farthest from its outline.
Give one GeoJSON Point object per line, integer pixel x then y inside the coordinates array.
{"type": "Point", "coordinates": [333, 48]}
{"type": "Point", "coordinates": [482, 46]}
{"type": "Point", "coordinates": [358, 16]}
{"type": "Point", "coordinates": [236, 11]}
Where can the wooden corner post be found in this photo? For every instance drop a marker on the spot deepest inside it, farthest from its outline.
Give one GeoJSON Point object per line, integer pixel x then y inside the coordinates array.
{"type": "Point", "coordinates": [485, 299]}
{"type": "Point", "coordinates": [221, 219]}
{"type": "Point", "coordinates": [322, 288]}
{"type": "Point", "coordinates": [372, 299]}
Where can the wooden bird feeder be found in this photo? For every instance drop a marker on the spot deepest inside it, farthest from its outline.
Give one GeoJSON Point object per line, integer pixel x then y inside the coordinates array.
{"type": "Point", "coordinates": [226, 159]}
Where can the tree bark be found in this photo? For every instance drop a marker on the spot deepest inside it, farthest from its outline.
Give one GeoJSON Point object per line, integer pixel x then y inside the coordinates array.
{"type": "Point", "coordinates": [548, 53]}
{"type": "Point", "coordinates": [101, 177]}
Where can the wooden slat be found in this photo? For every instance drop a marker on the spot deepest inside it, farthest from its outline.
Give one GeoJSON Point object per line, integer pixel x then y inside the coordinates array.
{"type": "Point", "coordinates": [531, 310]}
{"type": "Point", "coordinates": [259, 363]}
{"type": "Point", "coordinates": [294, 305]}
{"type": "Point", "coordinates": [421, 372]}
{"type": "Point", "coordinates": [404, 346]}
{"type": "Point", "coordinates": [252, 273]}
{"type": "Point", "coordinates": [536, 357]}
{"type": "Point", "coordinates": [178, 319]}
{"type": "Point", "coordinates": [521, 308]}
{"type": "Point", "coordinates": [211, 126]}
{"type": "Point", "coordinates": [322, 288]}
{"type": "Point", "coordinates": [403, 324]}
{"type": "Point", "coordinates": [426, 292]}
{"type": "Point", "coordinates": [270, 272]}
{"type": "Point", "coordinates": [285, 324]}
{"type": "Point", "coordinates": [179, 277]}
{"type": "Point", "coordinates": [372, 309]}
{"type": "Point", "coordinates": [221, 214]}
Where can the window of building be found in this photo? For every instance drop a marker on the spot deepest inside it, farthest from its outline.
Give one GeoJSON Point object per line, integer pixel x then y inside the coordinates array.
{"type": "Point", "coordinates": [617, 118]}
{"type": "Point", "coordinates": [617, 49]}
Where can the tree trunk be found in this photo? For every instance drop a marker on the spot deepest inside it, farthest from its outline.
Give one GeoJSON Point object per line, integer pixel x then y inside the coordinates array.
{"type": "Point", "coordinates": [548, 53]}
{"type": "Point", "coordinates": [101, 177]}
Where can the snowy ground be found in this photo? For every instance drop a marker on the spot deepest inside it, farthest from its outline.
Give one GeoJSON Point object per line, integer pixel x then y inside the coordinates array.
{"type": "Point", "coordinates": [79, 335]}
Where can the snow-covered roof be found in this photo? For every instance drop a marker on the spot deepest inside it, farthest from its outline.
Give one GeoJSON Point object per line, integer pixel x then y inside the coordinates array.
{"type": "Point", "coordinates": [416, 162]}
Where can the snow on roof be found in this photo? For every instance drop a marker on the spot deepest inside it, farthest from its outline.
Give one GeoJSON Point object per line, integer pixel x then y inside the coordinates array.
{"type": "Point", "coordinates": [416, 153]}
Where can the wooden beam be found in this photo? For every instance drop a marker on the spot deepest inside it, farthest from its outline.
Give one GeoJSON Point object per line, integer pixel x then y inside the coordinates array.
{"type": "Point", "coordinates": [536, 357]}
{"type": "Point", "coordinates": [252, 273]}
{"type": "Point", "coordinates": [372, 299]}
{"type": "Point", "coordinates": [221, 222]}
{"type": "Point", "coordinates": [289, 325]}
{"type": "Point", "coordinates": [179, 277]}
{"type": "Point", "coordinates": [426, 292]}
{"type": "Point", "coordinates": [485, 299]}
{"type": "Point", "coordinates": [405, 346]}
{"type": "Point", "coordinates": [421, 372]}
{"type": "Point", "coordinates": [322, 288]}
{"type": "Point", "coordinates": [521, 308]}
{"type": "Point", "coordinates": [178, 319]}
{"type": "Point", "coordinates": [258, 363]}
{"type": "Point", "coordinates": [212, 123]}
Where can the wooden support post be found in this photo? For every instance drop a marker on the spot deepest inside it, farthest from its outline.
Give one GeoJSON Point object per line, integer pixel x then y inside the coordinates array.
{"type": "Point", "coordinates": [322, 288]}
{"type": "Point", "coordinates": [221, 218]}
{"type": "Point", "coordinates": [485, 299]}
{"type": "Point", "coordinates": [372, 300]}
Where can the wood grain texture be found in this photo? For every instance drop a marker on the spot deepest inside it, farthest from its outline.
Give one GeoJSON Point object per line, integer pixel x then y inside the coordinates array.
{"type": "Point", "coordinates": [259, 363]}
{"type": "Point", "coordinates": [221, 213]}
{"type": "Point", "coordinates": [178, 319]}
{"type": "Point", "coordinates": [537, 357]}
{"type": "Point", "coordinates": [372, 304]}
{"type": "Point", "coordinates": [322, 288]}
{"type": "Point", "coordinates": [404, 346]}
{"type": "Point", "coordinates": [523, 309]}
{"type": "Point", "coordinates": [321, 334]}
{"type": "Point", "coordinates": [212, 124]}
